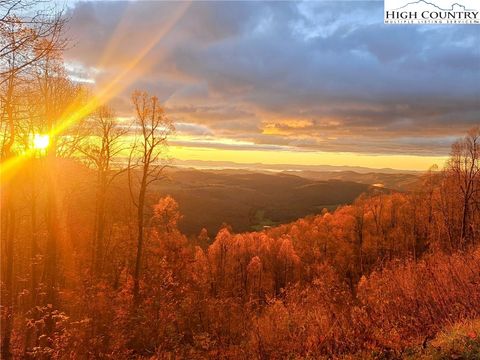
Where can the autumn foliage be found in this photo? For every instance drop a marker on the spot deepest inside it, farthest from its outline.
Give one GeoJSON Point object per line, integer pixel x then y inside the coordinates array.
{"type": "Point", "coordinates": [381, 276]}
{"type": "Point", "coordinates": [94, 265]}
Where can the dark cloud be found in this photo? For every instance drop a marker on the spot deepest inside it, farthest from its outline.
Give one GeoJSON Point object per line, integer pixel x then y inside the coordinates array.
{"type": "Point", "coordinates": [246, 70]}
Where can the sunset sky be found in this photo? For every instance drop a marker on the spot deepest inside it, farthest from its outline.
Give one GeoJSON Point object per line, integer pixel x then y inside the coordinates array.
{"type": "Point", "coordinates": [323, 83]}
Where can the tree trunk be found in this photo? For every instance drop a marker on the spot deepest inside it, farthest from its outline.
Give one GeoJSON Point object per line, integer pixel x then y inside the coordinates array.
{"type": "Point", "coordinates": [8, 300]}
{"type": "Point", "coordinates": [464, 231]}
{"type": "Point", "coordinates": [140, 220]}
{"type": "Point", "coordinates": [50, 274]}
{"type": "Point", "coordinates": [33, 241]}
{"type": "Point", "coordinates": [9, 227]}
{"type": "Point", "coordinates": [100, 225]}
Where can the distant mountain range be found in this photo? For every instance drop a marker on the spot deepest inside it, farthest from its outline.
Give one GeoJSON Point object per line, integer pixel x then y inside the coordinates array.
{"type": "Point", "coordinates": [201, 164]}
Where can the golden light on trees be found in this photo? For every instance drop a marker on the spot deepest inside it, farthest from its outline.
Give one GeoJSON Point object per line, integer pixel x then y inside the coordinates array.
{"type": "Point", "coordinates": [41, 141]}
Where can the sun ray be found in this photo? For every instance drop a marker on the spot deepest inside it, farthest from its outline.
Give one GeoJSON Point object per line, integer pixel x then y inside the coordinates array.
{"type": "Point", "coordinates": [115, 86]}
{"type": "Point", "coordinates": [114, 41]}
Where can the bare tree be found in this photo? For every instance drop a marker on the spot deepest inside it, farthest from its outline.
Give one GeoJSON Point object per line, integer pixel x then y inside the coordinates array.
{"type": "Point", "coordinates": [465, 169]}
{"type": "Point", "coordinates": [105, 144]}
{"type": "Point", "coordinates": [29, 37]}
{"type": "Point", "coordinates": [58, 97]}
{"type": "Point", "coordinates": [147, 161]}
{"type": "Point", "coordinates": [24, 41]}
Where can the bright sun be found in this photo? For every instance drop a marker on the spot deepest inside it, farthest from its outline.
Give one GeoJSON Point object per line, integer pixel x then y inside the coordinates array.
{"type": "Point", "coordinates": [41, 141]}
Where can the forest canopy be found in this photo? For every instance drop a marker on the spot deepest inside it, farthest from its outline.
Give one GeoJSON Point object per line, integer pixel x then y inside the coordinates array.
{"type": "Point", "coordinates": [94, 265]}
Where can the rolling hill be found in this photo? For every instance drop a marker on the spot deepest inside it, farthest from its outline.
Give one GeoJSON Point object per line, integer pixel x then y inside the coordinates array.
{"type": "Point", "coordinates": [249, 200]}
{"type": "Point", "coordinates": [395, 181]}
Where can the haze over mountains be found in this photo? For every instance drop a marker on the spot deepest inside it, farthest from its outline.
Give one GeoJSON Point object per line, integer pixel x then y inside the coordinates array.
{"type": "Point", "coordinates": [202, 164]}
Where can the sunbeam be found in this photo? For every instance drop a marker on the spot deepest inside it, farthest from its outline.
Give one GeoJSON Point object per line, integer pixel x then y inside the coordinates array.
{"type": "Point", "coordinates": [115, 86]}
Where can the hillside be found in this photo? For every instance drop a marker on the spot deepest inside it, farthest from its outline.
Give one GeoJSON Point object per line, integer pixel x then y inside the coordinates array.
{"type": "Point", "coordinates": [396, 181]}
{"type": "Point", "coordinates": [245, 200]}
{"type": "Point", "coordinates": [206, 197]}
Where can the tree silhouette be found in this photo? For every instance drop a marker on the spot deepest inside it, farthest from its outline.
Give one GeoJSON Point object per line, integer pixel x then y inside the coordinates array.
{"type": "Point", "coordinates": [147, 161]}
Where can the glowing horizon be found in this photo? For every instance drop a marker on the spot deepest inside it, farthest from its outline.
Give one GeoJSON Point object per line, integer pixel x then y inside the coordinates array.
{"type": "Point", "coordinates": [307, 158]}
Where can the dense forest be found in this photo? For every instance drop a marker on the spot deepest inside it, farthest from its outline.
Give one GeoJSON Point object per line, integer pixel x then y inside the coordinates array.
{"type": "Point", "coordinates": [96, 267]}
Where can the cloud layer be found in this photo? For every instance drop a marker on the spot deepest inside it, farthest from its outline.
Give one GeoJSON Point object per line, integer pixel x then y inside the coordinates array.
{"type": "Point", "coordinates": [313, 76]}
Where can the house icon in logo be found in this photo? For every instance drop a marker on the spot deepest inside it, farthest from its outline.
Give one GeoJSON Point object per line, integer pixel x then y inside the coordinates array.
{"type": "Point", "coordinates": [435, 12]}
{"type": "Point", "coordinates": [415, 4]}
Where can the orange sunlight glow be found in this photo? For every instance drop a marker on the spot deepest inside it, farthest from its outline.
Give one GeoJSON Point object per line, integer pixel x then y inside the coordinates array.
{"type": "Point", "coordinates": [119, 83]}
{"type": "Point", "coordinates": [41, 142]}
